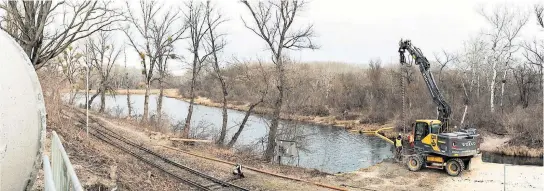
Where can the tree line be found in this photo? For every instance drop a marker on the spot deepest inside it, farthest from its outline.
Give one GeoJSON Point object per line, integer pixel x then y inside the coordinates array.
{"type": "Point", "coordinates": [493, 82]}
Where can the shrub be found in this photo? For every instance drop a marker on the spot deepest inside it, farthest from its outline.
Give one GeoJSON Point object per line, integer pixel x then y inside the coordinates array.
{"type": "Point", "coordinates": [313, 110]}
{"type": "Point", "coordinates": [378, 117]}
{"type": "Point", "coordinates": [519, 151]}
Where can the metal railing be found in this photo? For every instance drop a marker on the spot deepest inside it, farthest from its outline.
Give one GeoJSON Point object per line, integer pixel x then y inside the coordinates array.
{"type": "Point", "coordinates": [59, 175]}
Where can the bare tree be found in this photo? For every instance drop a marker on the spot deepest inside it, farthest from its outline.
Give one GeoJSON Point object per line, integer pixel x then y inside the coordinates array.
{"type": "Point", "coordinates": [534, 54]}
{"type": "Point", "coordinates": [534, 50]}
{"type": "Point", "coordinates": [164, 36]}
{"type": "Point", "coordinates": [249, 77]}
{"type": "Point", "coordinates": [377, 89]}
{"type": "Point", "coordinates": [527, 82]}
{"type": "Point", "coordinates": [164, 73]}
{"type": "Point", "coordinates": [71, 67]}
{"type": "Point", "coordinates": [103, 55]}
{"type": "Point", "coordinates": [214, 44]}
{"type": "Point", "coordinates": [127, 86]}
{"type": "Point", "coordinates": [443, 61]}
{"type": "Point", "coordinates": [470, 65]}
{"type": "Point", "coordinates": [155, 35]}
{"type": "Point", "coordinates": [506, 24]}
{"type": "Point", "coordinates": [43, 34]}
{"type": "Point", "coordinates": [196, 22]}
{"type": "Point", "coordinates": [273, 23]}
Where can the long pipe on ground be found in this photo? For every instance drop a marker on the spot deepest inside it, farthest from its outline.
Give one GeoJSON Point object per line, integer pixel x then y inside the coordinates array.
{"type": "Point", "coordinates": [256, 170]}
{"type": "Point", "coordinates": [377, 133]}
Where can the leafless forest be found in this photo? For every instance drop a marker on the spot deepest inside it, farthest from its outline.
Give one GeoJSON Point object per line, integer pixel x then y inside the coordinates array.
{"type": "Point", "coordinates": [494, 82]}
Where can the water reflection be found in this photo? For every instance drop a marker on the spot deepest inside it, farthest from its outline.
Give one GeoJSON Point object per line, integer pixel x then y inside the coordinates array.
{"type": "Point", "coordinates": [502, 159]}
{"type": "Point", "coordinates": [324, 148]}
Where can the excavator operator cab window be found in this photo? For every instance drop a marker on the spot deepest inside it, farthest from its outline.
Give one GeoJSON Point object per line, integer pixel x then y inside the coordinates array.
{"type": "Point", "coordinates": [435, 128]}
{"type": "Point", "coordinates": [422, 130]}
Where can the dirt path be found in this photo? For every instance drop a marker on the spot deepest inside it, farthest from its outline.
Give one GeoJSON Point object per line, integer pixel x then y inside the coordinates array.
{"type": "Point", "coordinates": [491, 176]}
{"type": "Point", "coordinates": [392, 176]}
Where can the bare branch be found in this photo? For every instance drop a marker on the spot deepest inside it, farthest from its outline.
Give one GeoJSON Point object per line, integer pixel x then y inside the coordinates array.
{"type": "Point", "coordinates": [154, 36]}
{"type": "Point", "coordinates": [272, 22]}
{"type": "Point", "coordinates": [539, 9]}
{"type": "Point", "coordinates": [29, 22]}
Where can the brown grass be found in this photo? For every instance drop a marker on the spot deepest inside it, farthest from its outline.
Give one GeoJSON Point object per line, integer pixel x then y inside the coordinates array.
{"type": "Point", "coordinates": [519, 151]}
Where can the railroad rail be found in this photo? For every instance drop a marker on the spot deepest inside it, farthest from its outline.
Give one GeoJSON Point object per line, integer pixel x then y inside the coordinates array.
{"type": "Point", "coordinates": [185, 174]}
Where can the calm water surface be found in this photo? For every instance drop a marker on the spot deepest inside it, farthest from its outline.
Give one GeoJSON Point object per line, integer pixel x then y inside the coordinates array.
{"type": "Point", "coordinates": [325, 148]}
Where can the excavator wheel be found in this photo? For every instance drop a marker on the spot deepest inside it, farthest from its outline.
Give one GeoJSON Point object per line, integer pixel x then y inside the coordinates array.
{"type": "Point", "coordinates": [455, 166]}
{"type": "Point", "coordinates": [414, 163]}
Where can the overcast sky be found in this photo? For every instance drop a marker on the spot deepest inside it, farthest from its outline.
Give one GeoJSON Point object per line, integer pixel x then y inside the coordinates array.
{"type": "Point", "coordinates": [354, 31]}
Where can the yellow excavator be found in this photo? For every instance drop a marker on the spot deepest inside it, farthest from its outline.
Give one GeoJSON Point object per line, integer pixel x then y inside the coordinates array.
{"type": "Point", "coordinates": [435, 144]}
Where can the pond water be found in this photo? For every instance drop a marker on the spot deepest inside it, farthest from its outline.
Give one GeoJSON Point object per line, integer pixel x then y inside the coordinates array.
{"type": "Point", "coordinates": [503, 159]}
{"type": "Point", "coordinates": [325, 148]}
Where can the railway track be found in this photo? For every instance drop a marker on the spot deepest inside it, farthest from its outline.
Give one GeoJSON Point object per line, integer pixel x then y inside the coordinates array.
{"type": "Point", "coordinates": [183, 173]}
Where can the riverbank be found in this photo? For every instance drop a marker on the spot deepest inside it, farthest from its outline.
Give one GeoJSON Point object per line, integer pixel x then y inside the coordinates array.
{"type": "Point", "coordinates": [353, 125]}
{"type": "Point", "coordinates": [387, 175]}
{"type": "Point", "coordinates": [317, 120]}
{"type": "Point", "coordinates": [384, 176]}
{"type": "Point", "coordinates": [102, 166]}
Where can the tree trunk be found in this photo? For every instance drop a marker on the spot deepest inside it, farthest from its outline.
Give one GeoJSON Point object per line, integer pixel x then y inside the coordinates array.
{"type": "Point", "coordinates": [73, 93]}
{"type": "Point", "coordinates": [492, 88]}
{"type": "Point", "coordinates": [269, 152]}
{"type": "Point", "coordinates": [502, 87]}
{"type": "Point", "coordinates": [102, 100]}
{"type": "Point", "coordinates": [187, 127]}
{"type": "Point", "coordinates": [225, 114]}
{"type": "Point", "coordinates": [242, 125]}
{"type": "Point", "coordinates": [159, 102]}
{"type": "Point", "coordinates": [92, 97]}
{"type": "Point", "coordinates": [129, 105]}
{"type": "Point", "coordinates": [542, 79]}
{"type": "Point", "coordinates": [463, 118]}
{"type": "Point", "coordinates": [478, 88]}
{"type": "Point", "coordinates": [146, 103]}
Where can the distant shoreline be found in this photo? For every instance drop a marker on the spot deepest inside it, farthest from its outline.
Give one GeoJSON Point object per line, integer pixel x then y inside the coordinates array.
{"type": "Point", "coordinates": [352, 125]}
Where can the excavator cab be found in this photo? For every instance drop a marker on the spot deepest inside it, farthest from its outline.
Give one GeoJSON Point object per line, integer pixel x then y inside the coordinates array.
{"type": "Point", "coordinates": [435, 149]}
{"type": "Point", "coordinates": [425, 135]}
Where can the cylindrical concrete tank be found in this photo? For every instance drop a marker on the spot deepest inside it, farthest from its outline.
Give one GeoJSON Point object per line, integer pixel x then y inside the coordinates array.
{"type": "Point", "coordinates": [22, 117]}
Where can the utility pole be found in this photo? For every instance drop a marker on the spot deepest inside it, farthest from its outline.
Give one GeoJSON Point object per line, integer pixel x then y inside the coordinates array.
{"type": "Point", "coordinates": [87, 99]}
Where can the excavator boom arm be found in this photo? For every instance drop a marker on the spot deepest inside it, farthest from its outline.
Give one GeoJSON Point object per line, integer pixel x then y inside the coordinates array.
{"type": "Point", "coordinates": [444, 110]}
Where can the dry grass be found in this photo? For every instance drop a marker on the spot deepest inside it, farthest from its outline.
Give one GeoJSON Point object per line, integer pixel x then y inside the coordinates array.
{"type": "Point", "coordinates": [519, 151]}
{"type": "Point", "coordinates": [253, 181]}
{"type": "Point", "coordinates": [98, 163]}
